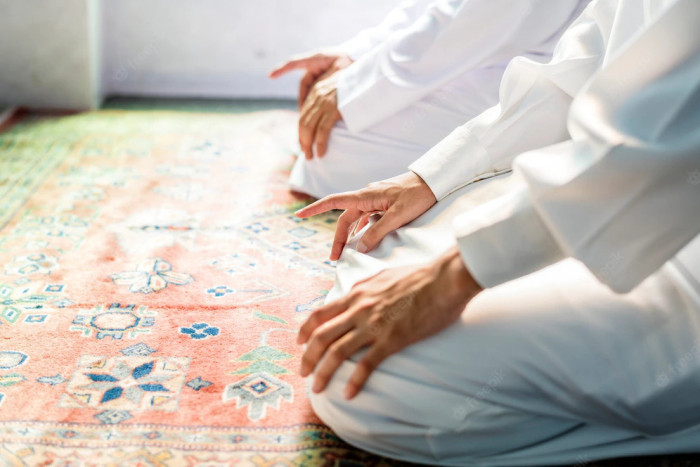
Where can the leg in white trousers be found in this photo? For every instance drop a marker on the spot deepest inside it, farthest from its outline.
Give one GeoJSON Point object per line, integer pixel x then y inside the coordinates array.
{"type": "Point", "coordinates": [552, 368]}
{"type": "Point", "coordinates": [387, 149]}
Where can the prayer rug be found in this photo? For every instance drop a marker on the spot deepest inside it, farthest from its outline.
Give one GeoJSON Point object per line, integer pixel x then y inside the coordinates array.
{"type": "Point", "coordinates": [152, 280]}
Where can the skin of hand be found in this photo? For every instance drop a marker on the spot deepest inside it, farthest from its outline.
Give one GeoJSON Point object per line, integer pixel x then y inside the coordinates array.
{"type": "Point", "coordinates": [318, 97]}
{"type": "Point", "coordinates": [318, 115]}
{"type": "Point", "coordinates": [316, 65]}
{"type": "Point", "coordinates": [387, 312]}
{"type": "Point", "coordinates": [402, 199]}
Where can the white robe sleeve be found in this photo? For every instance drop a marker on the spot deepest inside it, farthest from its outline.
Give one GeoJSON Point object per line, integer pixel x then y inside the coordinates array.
{"type": "Point", "coordinates": [623, 196]}
{"type": "Point", "coordinates": [400, 17]}
{"type": "Point", "coordinates": [450, 38]}
{"type": "Point", "coordinates": [534, 101]}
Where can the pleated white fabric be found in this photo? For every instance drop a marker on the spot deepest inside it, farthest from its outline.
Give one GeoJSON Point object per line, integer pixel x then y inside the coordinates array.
{"type": "Point", "coordinates": [428, 68]}
{"type": "Point", "coordinates": [552, 363]}
{"type": "Point", "coordinates": [552, 368]}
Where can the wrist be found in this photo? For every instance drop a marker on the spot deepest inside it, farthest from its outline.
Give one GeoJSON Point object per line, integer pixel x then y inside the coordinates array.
{"type": "Point", "coordinates": [423, 186]}
{"type": "Point", "coordinates": [459, 285]}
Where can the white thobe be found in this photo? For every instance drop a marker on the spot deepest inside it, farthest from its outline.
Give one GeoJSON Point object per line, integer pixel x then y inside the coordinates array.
{"type": "Point", "coordinates": [585, 343]}
{"type": "Point", "coordinates": [418, 76]}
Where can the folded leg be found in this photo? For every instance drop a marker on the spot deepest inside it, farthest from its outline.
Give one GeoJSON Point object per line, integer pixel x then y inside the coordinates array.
{"type": "Point", "coordinates": [552, 368]}
{"type": "Point", "coordinates": [355, 159]}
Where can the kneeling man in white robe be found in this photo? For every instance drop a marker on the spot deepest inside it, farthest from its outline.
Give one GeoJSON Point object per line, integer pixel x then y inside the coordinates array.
{"type": "Point", "coordinates": [376, 103]}
{"type": "Point", "coordinates": [546, 317]}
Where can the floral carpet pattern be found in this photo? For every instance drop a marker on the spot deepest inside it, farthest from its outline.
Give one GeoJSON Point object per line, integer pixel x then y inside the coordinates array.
{"type": "Point", "coordinates": [152, 280]}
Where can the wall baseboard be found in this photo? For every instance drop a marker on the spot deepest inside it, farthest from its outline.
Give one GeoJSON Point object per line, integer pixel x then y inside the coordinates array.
{"type": "Point", "coordinates": [7, 117]}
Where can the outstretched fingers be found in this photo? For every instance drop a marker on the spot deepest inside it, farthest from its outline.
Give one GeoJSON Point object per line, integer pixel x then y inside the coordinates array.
{"type": "Point", "coordinates": [293, 64]}
{"type": "Point", "coordinates": [348, 200]}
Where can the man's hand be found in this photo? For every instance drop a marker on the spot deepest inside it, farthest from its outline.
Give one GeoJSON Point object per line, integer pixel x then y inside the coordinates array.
{"type": "Point", "coordinates": [319, 113]}
{"type": "Point", "coordinates": [318, 97]}
{"type": "Point", "coordinates": [388, 312]}
{"type": "Point", "coordinates": [401, 199]}
{"type": "Point", "coordinates": [316, 65]}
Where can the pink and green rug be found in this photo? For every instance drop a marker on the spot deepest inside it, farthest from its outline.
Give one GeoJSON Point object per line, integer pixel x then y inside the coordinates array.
{"type": "Point", "coordinates": [152, 279]}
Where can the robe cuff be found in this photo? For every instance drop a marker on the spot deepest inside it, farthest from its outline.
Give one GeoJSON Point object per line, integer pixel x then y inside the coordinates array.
{"type": "Point", "coordinates": [505, 239]}
{"type": "Point", "coordinates": [356, 48]}
{"type": "Point", "coordinates": [456, 161]}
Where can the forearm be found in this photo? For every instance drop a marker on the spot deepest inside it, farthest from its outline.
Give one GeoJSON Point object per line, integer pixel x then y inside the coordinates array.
{"type": "Point", "coordinates": [535, 101]}
{"type": "Point", "coordinates": [447, 41]}
{"type": "Point", "coordinates": [618, 197]}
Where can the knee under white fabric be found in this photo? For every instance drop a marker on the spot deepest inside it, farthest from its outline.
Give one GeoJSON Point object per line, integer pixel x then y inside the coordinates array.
{"type": "Point", "coordinates": [552, 368]}
{"type": "Point", "coordinates": [387, 149]}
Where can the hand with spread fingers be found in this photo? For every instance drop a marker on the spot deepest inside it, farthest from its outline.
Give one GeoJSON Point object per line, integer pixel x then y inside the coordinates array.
{"type": "Point", "coordinates": [318, 97]}
{"type": "Point", "coordinates": [316, 65]}
{"type": "Point", "coordinates": [387, 312]}
{"type": "Point", "coordinates": [399, 200]}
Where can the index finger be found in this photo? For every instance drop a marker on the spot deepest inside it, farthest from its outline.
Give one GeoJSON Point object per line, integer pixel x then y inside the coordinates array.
{"type": "Point", "coordinates": [338, 201]}
{"type": "Point", "coordinates": [293, 64]}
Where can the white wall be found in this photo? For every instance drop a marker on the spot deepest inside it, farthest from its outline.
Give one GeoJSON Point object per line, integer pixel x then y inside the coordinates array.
{"type": "Point", "coordinates": [71, 53]}
{"type": "Point", "coordinates": [49, 53]}
{"type": "Point", "coordinates": [221, 48]}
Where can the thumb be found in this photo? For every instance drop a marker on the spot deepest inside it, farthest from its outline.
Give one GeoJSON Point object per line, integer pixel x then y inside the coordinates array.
{"type": "Point", "coordinates": [390, 221]}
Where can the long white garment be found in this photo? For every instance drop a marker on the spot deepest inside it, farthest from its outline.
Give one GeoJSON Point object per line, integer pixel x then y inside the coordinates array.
{"type": "Point", "coordinates": [405, 13]}
{"type": "Point", "coordinates": [549, 369]}
{"type": "Point", "coordinates": [534, 101]}
{"type": "Point", "coordinates": [551, 366]}
{"type": "Point", "coordinates": [422, 80]}
{"type": "Point", "coordinates": [623, 195]}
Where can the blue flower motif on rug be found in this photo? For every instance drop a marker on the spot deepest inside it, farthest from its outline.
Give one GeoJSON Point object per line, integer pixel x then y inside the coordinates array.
{"type": "Point", "coordinates": [112, 390]}
{"type": "Point", "coordinates": [200, 331]}
{"type": "Point", "coordinates": [126, 383]}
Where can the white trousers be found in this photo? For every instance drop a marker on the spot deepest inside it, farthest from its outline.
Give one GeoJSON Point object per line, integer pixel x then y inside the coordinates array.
{"type": "Point", "coordinates": [552, 368]}
{"type": "Point", "coordinates": [387, 149]}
